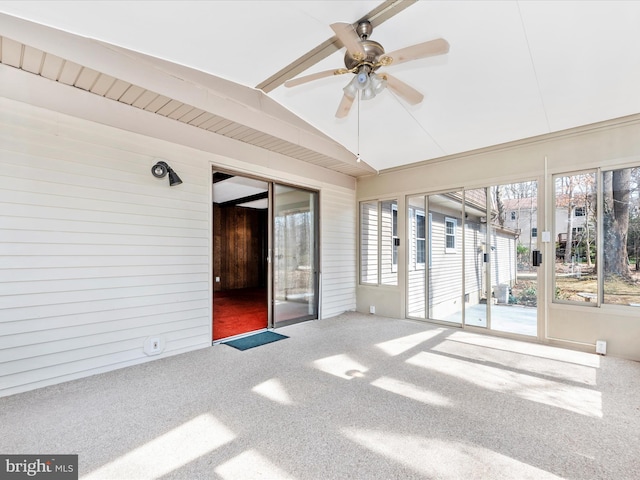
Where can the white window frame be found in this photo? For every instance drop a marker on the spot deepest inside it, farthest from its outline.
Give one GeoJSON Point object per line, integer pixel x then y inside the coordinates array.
{"type": "Point", "coordinates": [454, 222]}
{"type": "Point", "coordinates": [375, 245]}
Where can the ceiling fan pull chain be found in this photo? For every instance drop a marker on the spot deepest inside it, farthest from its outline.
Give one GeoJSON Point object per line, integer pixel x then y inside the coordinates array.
{"type": "Point", "coordinates": [358, 155]}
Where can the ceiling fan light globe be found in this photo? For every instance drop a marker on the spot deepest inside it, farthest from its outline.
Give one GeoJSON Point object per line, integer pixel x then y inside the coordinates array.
{"type": "Point", "coordinates": [351, 90]}
{"type": "Point", "coordinates": [368, 93]}
{"type": "Point", "coordinates": [378, 83]}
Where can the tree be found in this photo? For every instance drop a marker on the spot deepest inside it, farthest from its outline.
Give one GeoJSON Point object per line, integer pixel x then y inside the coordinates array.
{"type": "Point", "coordinates": [573, 191]}
{"type": "Point", "coordinates": [499, 204]}
{"type": "Point", "coordinates": [633, 237]}
{"type": "Point", "coordinates": [615, 217]}
{"type": "Point", "coordinates": [587, 193]}
{"type": "Point", "coordinates": [569, 186]}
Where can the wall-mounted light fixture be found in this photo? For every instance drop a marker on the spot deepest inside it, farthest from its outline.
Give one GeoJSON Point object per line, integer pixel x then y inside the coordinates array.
{"type": "Point", "coordinates": [160, 169]}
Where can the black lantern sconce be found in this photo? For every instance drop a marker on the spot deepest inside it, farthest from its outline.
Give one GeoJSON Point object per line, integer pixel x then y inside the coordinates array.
{"type": "Point", "coordinates": [160, 170]}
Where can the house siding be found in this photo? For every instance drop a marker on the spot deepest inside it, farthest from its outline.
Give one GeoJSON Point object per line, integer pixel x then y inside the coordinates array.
{"type": "Point", "coordinates": [445, 288]}
{"type": "Point", "coordinates": [338, 219]}
{"type": "Point", "coordinates": [416, 274]}
{"type": "Point", "coordinates": [475, 236]}
{"type": "Point", "coordinates": [446, 268]}
{"type": "Point", "coordinates": [503, 258]}
{"type": "Point", "coordinates": [93, 259]}
{"type": "Point", "coordinates": [97, 255]}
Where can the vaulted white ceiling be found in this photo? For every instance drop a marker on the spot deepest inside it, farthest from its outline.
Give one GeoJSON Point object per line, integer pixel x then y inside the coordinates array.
{"type": "Point", "coordinates": [515, 69]}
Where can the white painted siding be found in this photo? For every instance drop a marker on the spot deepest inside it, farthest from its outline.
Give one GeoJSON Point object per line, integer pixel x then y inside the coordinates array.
{"type": "Point", "coordinates": [95, 256]}
{"type": "Point", "coordinates": [338, 250]}
{"type": "Point", "coordinates": [416, 273]}
{"type": "Point", "coordinates": [446, 269]}
{"type": "Point", "coordinates": [475, 238]}
{"type": "Point", "coordinates": [445, 287]}
{"type": "Point", "coordinates": [503, 258]}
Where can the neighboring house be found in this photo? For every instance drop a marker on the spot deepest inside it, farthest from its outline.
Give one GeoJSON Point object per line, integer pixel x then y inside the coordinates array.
{"type": "Point", "coordinates": [520, 215]}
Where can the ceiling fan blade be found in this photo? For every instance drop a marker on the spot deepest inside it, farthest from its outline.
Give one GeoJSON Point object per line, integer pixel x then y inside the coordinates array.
{"type": "Point", "coordinates": [407, 92]}
{"type": "Point", "coordinates": [314, 76]}
{"type": "Point", "coordinates": [345, 106]}
{"type": "Point", "coordinates": [350, 39]}
{"type": "Point", "coordinates": [414, 52]}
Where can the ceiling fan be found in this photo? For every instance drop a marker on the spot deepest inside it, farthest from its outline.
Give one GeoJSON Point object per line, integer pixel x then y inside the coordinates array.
{"type": "Point", "coordinates": [364, 57]}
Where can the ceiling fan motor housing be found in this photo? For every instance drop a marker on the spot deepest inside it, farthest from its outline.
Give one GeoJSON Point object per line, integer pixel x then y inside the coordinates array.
{"type": "Point", "coordinates": [373, 50]}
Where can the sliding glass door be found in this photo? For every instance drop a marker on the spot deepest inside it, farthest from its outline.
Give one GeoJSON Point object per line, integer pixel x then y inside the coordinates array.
{"type": "Point", "coordinates": [295, 255]}
{"type": "Point", "coordinates": [514, 258]}
{"type": "Point", "coordinates": [434, 260]}
{"type": "Point", "coordinates": [477, 253]}
{"type": "Point", "coordinates": [472, 257]}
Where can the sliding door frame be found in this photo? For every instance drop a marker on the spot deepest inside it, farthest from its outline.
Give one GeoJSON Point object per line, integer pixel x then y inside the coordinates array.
{"type": "Point", "coordinates": [315, 250]}
{"type": "Point", "coordinates": [542, 225]}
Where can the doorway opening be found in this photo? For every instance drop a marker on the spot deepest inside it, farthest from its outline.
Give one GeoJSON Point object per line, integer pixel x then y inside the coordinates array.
{"type": "Point", "coordinates": [240, 243]}
{"type": "Point", "coordinates": [265, 255]}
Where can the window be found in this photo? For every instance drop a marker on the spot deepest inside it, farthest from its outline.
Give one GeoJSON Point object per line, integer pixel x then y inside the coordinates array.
{"type": "Point", "coordinates": [421, 241]}
{"type": "Point", "coordinates": [450, 225]}
{"type": "Point", "coordinates": [576, 275]}
{"type": "Point", "coordinates": [579, 278]}
{"type": "Point", "coordinates": [621, 233]}
{"type": "Point", "coordinates": [534, 232]}
{"type": "Point", "coordinates": [379, 242]}
{"type": "Point", "coordinates": [369, 242]}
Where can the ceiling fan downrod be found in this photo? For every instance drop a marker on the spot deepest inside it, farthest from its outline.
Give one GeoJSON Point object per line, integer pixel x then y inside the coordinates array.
{"type": "Point", "coordinates": [364, 29]}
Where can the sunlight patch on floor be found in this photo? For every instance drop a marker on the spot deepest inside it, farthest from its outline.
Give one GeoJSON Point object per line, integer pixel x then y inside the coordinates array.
{"type": "Point", "coordinates": [533, 349]}
{"type": "Point", "coordinates": [520, 361]}
{"type": "Point", "coordinates": [444, 459]}
{"type": "Point", "coordinates": [411, 391]}
{"type": "Point", "coordinates": [400, 345]}
{"type": "Point", "coordinates": [575, 399]}
{"type": "Point", "coordinates": [273, 390]}
{"type": "Point", "coordinates": [250, 465]}
{"type": "Point", "coordinates": [168, 452]}
{"type": "Point", "coordinates": [342, 366]}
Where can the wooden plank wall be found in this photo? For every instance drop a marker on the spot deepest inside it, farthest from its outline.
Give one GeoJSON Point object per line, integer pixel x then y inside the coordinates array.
{"type": "Point", "coordinates": [239, 247]}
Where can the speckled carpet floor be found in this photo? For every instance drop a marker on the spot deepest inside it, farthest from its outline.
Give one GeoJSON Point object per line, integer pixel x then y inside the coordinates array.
{"type": "Point", "coordinates": [356, 396]}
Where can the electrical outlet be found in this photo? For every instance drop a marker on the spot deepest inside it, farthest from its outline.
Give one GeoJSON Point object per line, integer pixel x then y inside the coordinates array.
{"type": "Point", "coordinates": [372, 309]}
{"type": "Point", "coordinates": [153, 346]}
{"type": "Point", "coordinates": [217, 279]}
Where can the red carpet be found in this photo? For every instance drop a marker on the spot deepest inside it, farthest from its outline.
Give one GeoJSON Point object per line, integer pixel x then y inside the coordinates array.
{"type": "Point", "coordinates": [239, 311]}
